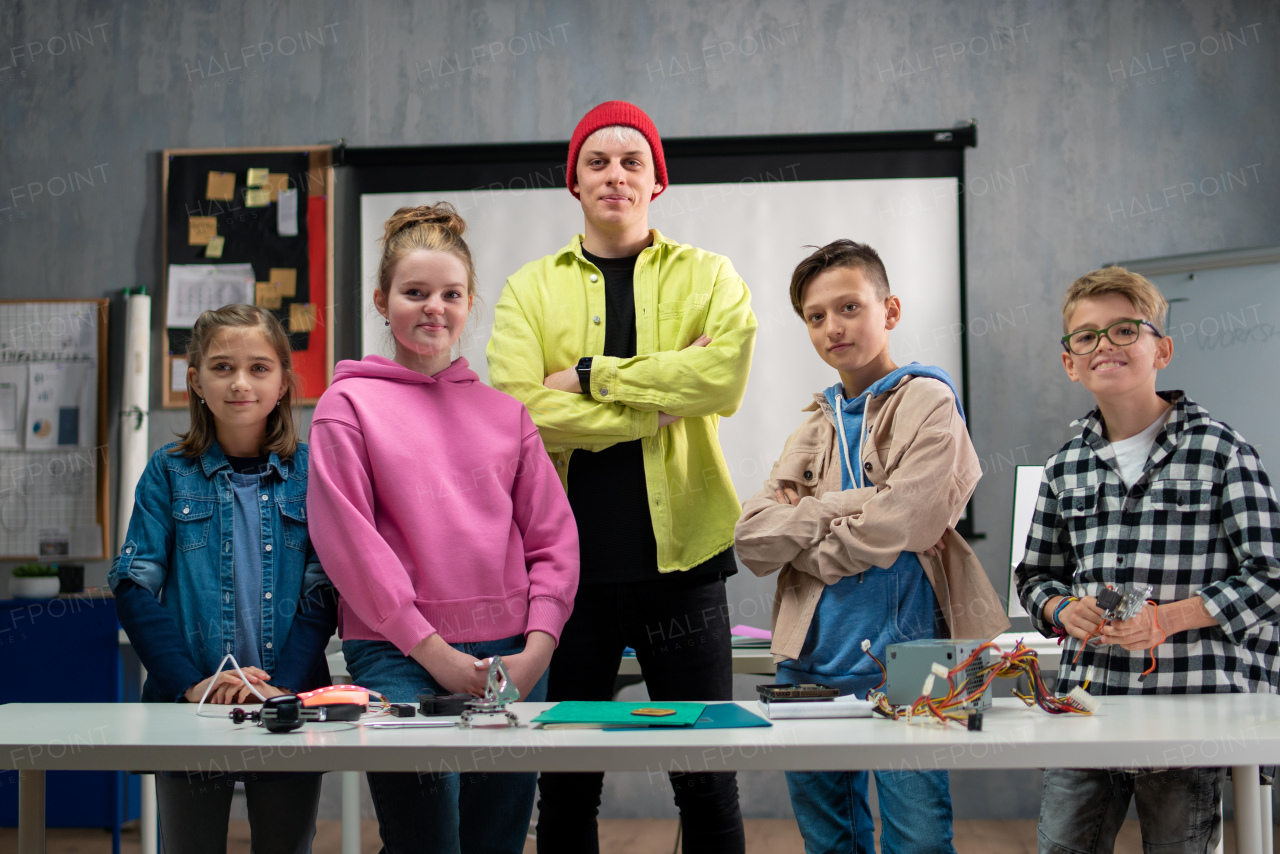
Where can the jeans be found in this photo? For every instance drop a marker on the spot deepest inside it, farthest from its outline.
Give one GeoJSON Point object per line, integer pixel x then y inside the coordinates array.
{"type": "Point", "coordinates": [194, 813]}
{"type": "Point", "coordinates": [834, 813]}
{"type": "Point", "coordinates": [444, 813]}
{"type": "Point", "coordinates": [1179, 810]}
{"type": "Point", "coordinates": [679, 628]}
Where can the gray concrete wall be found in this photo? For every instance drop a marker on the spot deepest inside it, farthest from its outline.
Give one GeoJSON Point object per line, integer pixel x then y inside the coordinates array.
{"type": "Point", "coordinates": [1108, 130]}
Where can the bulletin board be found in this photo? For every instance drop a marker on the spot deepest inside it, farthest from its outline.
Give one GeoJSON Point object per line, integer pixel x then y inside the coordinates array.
{"type": "Point", "coordinates": [53, 430]}
{"type": "Point", "coordinates": [249, 225]}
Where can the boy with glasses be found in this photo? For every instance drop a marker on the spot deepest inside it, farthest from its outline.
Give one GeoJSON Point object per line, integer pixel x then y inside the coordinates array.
{"type": "Point", "coordinates": [1154, 499]}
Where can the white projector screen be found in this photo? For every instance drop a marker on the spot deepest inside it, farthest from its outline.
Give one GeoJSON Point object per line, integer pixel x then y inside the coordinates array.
{"type": "Point", "coordinates": [763, 228]}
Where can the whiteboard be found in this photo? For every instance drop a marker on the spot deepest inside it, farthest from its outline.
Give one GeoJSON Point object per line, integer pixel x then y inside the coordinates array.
{"type": "Point", "coordinates": [1226, 340]}
{"type": "Point", "coordinates": [764, 229]}
{"type": "Point", "coordinates": [1026, 487]}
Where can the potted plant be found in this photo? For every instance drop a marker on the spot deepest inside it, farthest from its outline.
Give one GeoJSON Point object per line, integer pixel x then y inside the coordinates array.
{"type": "Point", "coordinates": [34, 581]}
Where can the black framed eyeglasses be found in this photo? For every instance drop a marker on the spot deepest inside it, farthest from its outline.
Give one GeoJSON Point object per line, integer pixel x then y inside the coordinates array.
{"type": "Point", "coordinates": [1122, 333]}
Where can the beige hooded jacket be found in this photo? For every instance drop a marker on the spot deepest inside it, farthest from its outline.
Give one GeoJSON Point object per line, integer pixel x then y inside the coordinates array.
{"type": "Point", "coordinates": [917, 452]}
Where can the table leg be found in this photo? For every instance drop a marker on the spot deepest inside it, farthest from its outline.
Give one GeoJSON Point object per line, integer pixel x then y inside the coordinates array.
{"type": "Point", "coordinates": [31, 812]}
{"type": "Point", "coordinates": [1268, 842]}
{"type": "Point", "coordinates": [350, 812]}
{"type": "Point", "coordinates": [149, 816]}
{"type": "Point", "coordinates": [1248, 799]}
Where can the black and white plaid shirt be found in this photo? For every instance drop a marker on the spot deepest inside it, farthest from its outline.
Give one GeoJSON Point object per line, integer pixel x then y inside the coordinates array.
{"type": "Point", "coordinates": [1201, 519]}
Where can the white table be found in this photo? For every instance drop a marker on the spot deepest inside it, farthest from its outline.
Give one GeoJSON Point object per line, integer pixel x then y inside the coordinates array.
{"type": "Point", "coordinates": [1240, 731]}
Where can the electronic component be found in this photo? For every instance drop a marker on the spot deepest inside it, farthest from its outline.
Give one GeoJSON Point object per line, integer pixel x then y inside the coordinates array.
{"type": "Point", "coordinates": [278, 714]}
{"type": "Point", "coordinates": [403, 710]}
{"type": "Point", "coordinates": [499, 690]}
{"type": "Point", "coordinates": [966, 687]}
{"type": "Point", "coordinates": [335, 695]}
{"type": "Point", "coordinates": [1084, 699]}
{"type": "Point", "coordinates": [286, 713]}
{"type": "Point", "coordinates": [911, 665]}
{"type": "Point", "coordinates": [436, 705]}
{"type": "Point", "coordinates": [785, 692]}
{"type": "Point", "coordinates": [1123, 604]}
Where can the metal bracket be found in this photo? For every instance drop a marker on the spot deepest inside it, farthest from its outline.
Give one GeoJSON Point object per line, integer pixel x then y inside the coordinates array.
{"type": "Point", "coordinates": [499, 690]}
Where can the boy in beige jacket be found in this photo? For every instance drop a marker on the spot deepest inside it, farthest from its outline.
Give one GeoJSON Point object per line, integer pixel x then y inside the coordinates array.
{"type": "Point", "coordinates": [859, 515]}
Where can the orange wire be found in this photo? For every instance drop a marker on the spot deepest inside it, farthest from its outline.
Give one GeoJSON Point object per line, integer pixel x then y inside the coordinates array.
{"type": "Point", "coordinates": [1155, 615]}
{"type": "Point", "coordinates": [1097, 631]}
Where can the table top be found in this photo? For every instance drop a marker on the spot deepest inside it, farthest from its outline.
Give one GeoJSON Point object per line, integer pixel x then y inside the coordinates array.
{"type": "Point", "coordinates": [1130, 732]}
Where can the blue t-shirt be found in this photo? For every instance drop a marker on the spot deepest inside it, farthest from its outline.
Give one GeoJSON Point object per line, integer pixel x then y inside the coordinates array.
{"type": "Point", "coordinates": [246, 540]}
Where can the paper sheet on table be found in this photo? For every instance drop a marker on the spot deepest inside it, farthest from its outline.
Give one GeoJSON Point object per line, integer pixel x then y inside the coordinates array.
{"type": "Point", "coordinates": [61, 405]}
{"type": "Point", "coordinates": [847, 706]}
{"type": "Point", "coordinates": [287, 213]}
{"type": "Point", "coordinates": [13, 406]}
{"type": "Point", "coordinates": [193, 288]}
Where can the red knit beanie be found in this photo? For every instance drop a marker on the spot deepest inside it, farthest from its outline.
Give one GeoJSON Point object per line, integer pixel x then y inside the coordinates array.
{"type": "Point", "coordinates": [617, 113]}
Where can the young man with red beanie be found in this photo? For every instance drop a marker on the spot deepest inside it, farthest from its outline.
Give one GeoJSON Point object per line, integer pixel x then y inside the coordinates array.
{"type": "Point", "coordinates": [627, 348]}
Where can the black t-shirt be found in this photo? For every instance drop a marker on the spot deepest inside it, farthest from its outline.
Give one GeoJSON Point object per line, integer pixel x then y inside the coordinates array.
{"type": "Point", "coordinates": [607, 489]}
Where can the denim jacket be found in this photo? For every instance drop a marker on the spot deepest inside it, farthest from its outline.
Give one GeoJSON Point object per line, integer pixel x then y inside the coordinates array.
{"type": "Point", "coordinates": [179, 549]}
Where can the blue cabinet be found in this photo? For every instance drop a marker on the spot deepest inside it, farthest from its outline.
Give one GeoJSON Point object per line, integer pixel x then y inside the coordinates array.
{"type": "Point", "coordinates": [67, 651]}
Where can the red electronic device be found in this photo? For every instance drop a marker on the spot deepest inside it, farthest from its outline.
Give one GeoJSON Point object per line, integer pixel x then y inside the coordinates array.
{"type": "Point", "coordinates": [336, 695]}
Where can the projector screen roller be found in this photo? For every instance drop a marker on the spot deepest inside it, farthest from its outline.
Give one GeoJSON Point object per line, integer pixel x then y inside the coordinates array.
{"type": "Point", "coordinates": [765, 229]}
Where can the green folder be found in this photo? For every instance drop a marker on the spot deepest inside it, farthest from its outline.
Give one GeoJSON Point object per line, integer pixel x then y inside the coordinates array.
{"type": "Point", "coordinates": [584, 714]}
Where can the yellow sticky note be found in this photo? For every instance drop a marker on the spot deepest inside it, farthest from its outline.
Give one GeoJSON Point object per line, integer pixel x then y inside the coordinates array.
{"type": "Point", "coordinates": [266, 295]}
{"type": "Point", "coordinates": [257, 198]}
{"type": "Point", "coordinates": [214, 247]}
{"type": "Point", "coordinates": [257, 177]}
{"type": "Point", "coordinates": [285, 279]}
{"type": "Point", "coordinates": [302, 317]}
{"type": "Point", "coordinates": [221, 186]}
{"type": "Point", "coordinates": [200, 229]}
{"type": "Point", "coordinates": [276, 181]}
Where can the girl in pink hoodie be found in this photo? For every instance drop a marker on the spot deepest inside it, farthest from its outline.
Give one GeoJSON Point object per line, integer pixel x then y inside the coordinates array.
{"type": "Point", "coordinates": [438, 516]}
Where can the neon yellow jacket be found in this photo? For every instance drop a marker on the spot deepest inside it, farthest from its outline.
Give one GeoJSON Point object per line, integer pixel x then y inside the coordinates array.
{"type": "Point", "coordinates": [552, 312]}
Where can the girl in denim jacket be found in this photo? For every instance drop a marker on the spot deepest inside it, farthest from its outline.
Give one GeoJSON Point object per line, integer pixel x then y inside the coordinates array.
{"type": "Point", "coordinates": [218, 560]}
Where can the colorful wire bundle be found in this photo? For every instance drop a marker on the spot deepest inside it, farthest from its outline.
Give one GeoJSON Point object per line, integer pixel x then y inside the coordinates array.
{"type": "Point", "coordinates": [1021, 661]}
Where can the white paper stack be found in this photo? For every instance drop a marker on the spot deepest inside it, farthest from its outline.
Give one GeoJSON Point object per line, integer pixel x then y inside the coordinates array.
{"type": "Point", "coordinates": [841, 707]}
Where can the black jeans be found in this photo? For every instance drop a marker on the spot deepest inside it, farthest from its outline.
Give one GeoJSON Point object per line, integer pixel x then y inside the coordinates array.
{"type": "Point", "coordinates": [194, 812]}
{"type": "Point", "coordinates": [679, 628]}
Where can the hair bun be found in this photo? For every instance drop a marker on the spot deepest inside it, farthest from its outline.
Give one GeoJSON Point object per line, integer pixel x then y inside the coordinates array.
{"type": "Point", "coordinates": [442, 214]}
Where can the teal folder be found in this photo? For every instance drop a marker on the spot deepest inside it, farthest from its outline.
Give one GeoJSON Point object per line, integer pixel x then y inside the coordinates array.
{"type": "Point", "coordinates": [603, 715]}
{"type": "Point", "coordinates": [728, 716]}
{"type": "Point", "coordinates": [722, 716]}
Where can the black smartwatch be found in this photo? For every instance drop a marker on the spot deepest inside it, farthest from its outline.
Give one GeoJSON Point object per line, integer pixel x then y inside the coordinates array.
{"type": "Point", "coordinates": [584, 374]}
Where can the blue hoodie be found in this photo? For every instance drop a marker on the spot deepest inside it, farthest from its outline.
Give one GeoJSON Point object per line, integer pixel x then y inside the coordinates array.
{"type": "Point", "coordinates": [883, 605]}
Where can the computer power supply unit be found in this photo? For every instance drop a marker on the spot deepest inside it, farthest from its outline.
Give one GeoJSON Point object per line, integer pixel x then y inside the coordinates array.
{"type": "Point", "coordinates": [909, 664]}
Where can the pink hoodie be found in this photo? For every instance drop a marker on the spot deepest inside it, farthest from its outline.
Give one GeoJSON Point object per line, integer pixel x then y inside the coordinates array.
{"type": "Point", "coordinates": [435, 508]}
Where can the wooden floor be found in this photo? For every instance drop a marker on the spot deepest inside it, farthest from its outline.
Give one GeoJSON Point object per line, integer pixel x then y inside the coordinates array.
{"type": "Point", "coordinates": [617, 836]}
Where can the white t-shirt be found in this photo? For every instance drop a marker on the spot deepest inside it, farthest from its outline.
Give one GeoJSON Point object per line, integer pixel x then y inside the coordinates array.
{"type": "Point", "coordinates": [1132, 453]}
